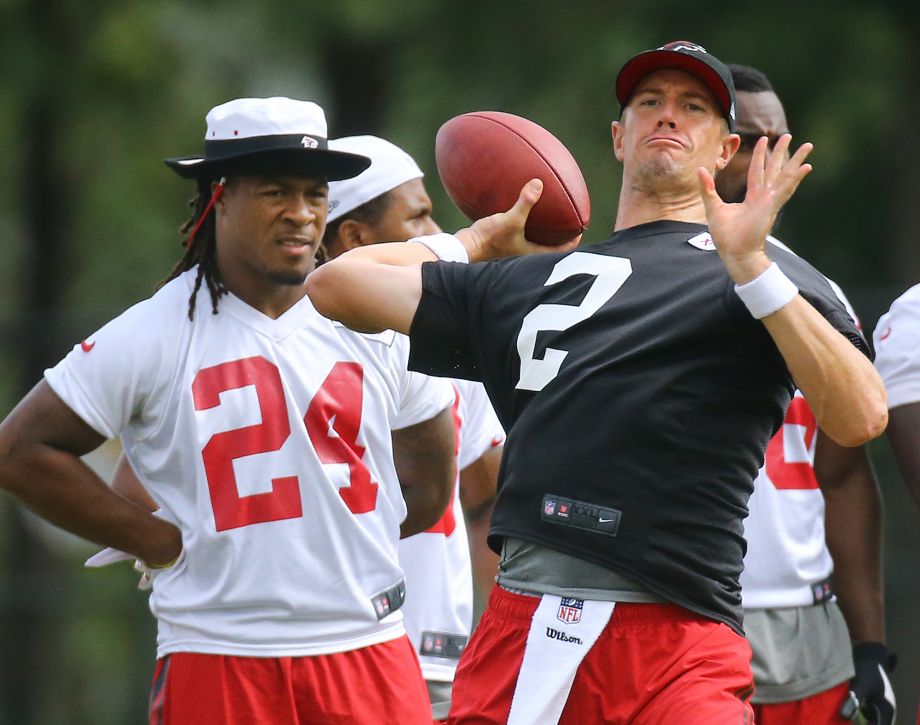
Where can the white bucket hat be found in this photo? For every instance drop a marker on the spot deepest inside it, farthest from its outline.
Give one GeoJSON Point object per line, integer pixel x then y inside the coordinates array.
{"type": "Point", "coordinates": [248, 135]}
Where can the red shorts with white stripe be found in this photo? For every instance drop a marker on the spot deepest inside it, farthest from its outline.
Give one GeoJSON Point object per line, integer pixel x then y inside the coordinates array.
{"type": "Point", "coordinates": [381, 683]}
{"type": "Point", "coordinates": [652, 664]}
{"type": "Point", "coordinates": [822, 708]}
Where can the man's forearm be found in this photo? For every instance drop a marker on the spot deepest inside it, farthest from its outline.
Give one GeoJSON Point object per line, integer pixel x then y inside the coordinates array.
{"type": "Point", "coordinates": [427, 469]}
{"type": "Point", "coordinates": [379, 286]}
{"type": "Point", "coordinates": [68, 494]}
{"type": "Point", "coordinates": [478, 485]}
{"type": "Point", "coordinates": [904, 436]}
{"type": "Point", "coordinates": [125, 483]}
{"type": "Point", "coordinates": [40, 446]}
{"type": "Point", "coordinates": [372, 288]}
{"type": "Point", "coordinates": [853, 515]}
{"type": "Point", "coordinates": [841, 386]}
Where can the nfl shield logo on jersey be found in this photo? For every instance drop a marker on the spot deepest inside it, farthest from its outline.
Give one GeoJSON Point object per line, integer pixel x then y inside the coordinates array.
{"type": "Point", "coordinates": [570, 610]}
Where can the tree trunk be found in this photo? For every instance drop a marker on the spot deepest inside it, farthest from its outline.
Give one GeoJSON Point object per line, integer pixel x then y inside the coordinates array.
{"type": "Point", "coordinates": [358, 80]}
{"type": "Point", "coordinates": [46, 204]}
{"type": "Point", "coordinates": [904, 254]}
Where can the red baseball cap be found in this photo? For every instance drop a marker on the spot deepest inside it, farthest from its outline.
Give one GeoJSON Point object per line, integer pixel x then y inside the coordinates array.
{"type": "Point", "coordinates": [686, 56]}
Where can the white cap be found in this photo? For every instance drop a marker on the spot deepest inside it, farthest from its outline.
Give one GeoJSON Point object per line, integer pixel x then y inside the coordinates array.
{"type": "Point", "coordinates": [390, 167]}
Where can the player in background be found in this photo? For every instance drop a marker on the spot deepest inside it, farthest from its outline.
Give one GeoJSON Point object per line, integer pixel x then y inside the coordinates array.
{"type": "Point", "coordinates": [388, 202]}
{"type": "Point", "coordinates": [802, 659]}
{"type": "Point", "coordinates": [897, 349]}
{"type": "Point", "coordinates": [263, 434]}
{"type": "Point", "coordinates": [897, 346]}
{"type": "Point", "coordinates": [637, 421]}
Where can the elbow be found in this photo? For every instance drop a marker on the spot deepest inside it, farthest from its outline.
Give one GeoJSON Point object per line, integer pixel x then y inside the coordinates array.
{"type": "Point", "coordinates": [877, 425]}
{"type": "Point", "coordinates": [875, 414]}
{"type": "Point", "coordinates": [857, 414]}
{"type": "Point", "coordinates": [861, 429]}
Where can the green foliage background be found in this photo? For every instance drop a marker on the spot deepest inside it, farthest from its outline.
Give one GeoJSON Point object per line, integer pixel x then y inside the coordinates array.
{"type": "Point", "coordinates": [94, 95]}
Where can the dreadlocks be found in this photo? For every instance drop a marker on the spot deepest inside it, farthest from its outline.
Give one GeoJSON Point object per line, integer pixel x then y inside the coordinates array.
{"type": "Point", "coordinates": [200, 250]}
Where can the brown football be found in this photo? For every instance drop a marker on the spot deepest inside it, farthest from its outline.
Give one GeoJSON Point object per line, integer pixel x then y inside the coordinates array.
{"type": "Point", "coordinates": [485, 158]}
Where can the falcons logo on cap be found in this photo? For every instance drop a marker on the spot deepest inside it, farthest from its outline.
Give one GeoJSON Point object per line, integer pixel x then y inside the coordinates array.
{"type": "Point", "coordinates": [684, 45]}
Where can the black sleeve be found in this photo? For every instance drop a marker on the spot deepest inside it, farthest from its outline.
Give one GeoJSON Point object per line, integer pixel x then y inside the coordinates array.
{"type": "Point", "coordinates": [440, 332]}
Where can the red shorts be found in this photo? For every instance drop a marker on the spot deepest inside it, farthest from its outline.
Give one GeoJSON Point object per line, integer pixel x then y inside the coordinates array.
{"type": "Point", "coordinates": [652, 663]}
{"type": "Point", "coordinates": [381, 683]}
{"type": "Point", "coordinates": [820, 709]}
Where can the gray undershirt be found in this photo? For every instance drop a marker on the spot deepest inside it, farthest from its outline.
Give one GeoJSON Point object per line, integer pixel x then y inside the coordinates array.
{"type": "Point", "coordinates": [798, 651]}
{"type": "Point", "coordinates": [439, 694]}
{"type": "Point", "coordinates": [528, 568]}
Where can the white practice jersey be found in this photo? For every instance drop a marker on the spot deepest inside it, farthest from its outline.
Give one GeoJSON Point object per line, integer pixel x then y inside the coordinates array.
{"type": "Point", "coordinates": [439, 582]}
{"type": "Point", "coordinates": [787, 562]}
{"type": "Point", "coordinates": [267, 442]}
{"type": "Point", "coordinates": [897, 349]}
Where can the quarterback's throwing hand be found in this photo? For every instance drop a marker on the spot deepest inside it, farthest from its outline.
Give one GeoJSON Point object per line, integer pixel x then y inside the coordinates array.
{"type": "Point", "coordinates": [740, 230]}
{"type": "Point", "coordinates": [502, 235]}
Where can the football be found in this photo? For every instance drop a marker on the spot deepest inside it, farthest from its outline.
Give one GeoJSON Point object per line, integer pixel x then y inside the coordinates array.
{"type": "Point", "coordinates": [485, 158]}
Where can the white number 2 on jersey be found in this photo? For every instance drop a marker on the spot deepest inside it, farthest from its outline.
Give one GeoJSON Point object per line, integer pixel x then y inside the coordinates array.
{"type": "Point", "coordinates": [609, 272]}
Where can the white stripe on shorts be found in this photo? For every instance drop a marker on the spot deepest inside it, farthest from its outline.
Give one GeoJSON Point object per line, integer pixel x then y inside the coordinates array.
{"type": "Point", "coordinates": [562, 632]}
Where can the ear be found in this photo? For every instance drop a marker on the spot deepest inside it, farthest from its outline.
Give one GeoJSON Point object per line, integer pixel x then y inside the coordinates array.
{"type": "Point", "coordinates": [354, 234]}
{"type": "Point", "coordinates": [729, 147]}
{"type": "Point", "coordinates": [616, 132]}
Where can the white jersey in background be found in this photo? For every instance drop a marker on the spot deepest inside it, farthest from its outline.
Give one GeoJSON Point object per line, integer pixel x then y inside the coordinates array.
{"type": "Point", "coordinates": [267, 442]}
{"type": "Point", "coordinates": [897, 349]}
{"type": "Point", "coordinates": [798, 636]}
{"type": "Point", "coordinates": [787, 554]}
{"type": "Point", "coordinates": [438, 610]}
{"type": "Point", "coordinates": [787, 562]}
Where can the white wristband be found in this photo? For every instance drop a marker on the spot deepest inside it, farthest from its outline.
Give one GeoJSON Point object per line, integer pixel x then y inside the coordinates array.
{"type": "Point", "coordinates": [767, 293]}
{"type": "Point", "coordinates": [446, 247]}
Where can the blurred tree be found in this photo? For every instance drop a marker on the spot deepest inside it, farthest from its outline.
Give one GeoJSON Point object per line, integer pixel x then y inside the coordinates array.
{"type": "Point", "coordinates": [50, 34]}
{"type": "Point", "coordinates": [904, 176]}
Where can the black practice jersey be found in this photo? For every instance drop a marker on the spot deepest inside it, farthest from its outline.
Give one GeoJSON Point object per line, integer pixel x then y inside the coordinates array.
{"type": "Point", "coordinates": [638, 394]}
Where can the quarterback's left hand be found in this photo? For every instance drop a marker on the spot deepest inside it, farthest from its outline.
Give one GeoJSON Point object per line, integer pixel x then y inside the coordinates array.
{"type": "Point", "coordinates": [870, 687]}
{"type": "Point", "coordinates": [739, 231]}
